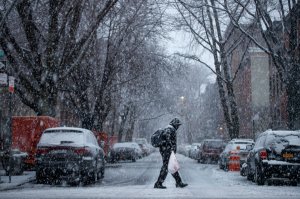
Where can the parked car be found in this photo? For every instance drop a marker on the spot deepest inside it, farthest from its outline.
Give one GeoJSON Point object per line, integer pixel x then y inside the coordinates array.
{"type": "Point", "coordinates": [69, 153]}
{"type": "Point", "coordinates": [187, 149]}
{"type": "Point", "coordinates": [145, 149]}
{"type": "Point", "coordinates": [151, 148]}
{"type": "Point", "coordinates": [235, 146]}
{"type": "Point", "coordinates": [276, 154]}
{"type": "Point", "coordinates": [125, 151]}
{"type": "Point", "coordinates": [210, 150]}
{"type": "Point", "coordinates": [195, 150]}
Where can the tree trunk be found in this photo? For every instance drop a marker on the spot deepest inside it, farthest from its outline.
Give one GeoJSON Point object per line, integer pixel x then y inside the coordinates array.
{"type": "Point", "coordinates": [293, 104]}
{"type": "Point", "coordinates": [234, 124]}
{"type": "Point", "coordinates": [124, 118]}
{"type": "Point", "coordinates": [130, 131]}
{"type": "Point", "coordinates": [87, 121]}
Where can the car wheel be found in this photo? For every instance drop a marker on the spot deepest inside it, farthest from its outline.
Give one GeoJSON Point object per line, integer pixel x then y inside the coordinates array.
{"type": "Point", "coordinates": [226, 167]}
{"type": "Point", "coordinates": [294, 183]}
{"type": "Point", "coordinates": [101, 172]}
{"type": "Point", "coordinates": [93, 177]}
{"type": "Point", "coordinates": [249, 174]}
{"type": "Point", "coordinates": [249, 177]}
{"type": "Point", "coordinates": [200, 159]}
{"type": "Point", "coordinates": [40, 179]}
{"type": "Point", "coordinates": [269, 182]}
{"type": "Point", "coordinates": [259, 177]}
{"type": "Point", "coordinates": [113, 160]}
{"type": "Point", "coordinates": [101, 176]}
{"type": "Point", "coordinates": [221, 166]}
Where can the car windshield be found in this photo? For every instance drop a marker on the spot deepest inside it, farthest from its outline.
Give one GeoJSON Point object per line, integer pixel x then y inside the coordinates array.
{"type": "Point", "coordinates": [62, 137]}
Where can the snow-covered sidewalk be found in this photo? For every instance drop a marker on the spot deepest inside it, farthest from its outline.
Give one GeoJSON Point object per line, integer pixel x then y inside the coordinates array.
{"type": "Point", "coordinates": [15, 180]}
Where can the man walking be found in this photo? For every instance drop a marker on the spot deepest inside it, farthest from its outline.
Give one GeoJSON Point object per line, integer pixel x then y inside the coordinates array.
{"type": "Point", "coordinates": [168, 145]}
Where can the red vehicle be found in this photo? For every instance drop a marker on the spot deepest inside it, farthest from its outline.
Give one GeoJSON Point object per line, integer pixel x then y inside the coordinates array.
{"type": "Point", "coordinates": [210, 150]}
{"type": "Point", "coordinates": [26, 133]}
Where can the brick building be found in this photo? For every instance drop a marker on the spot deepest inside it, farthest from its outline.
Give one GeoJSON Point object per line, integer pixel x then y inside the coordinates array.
{"type": "Point", "coordinates": [250, 69]}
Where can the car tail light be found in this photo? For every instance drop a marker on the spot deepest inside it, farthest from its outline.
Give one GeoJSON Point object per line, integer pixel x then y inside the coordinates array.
{"type": "Point", "coordinates": [263, 154]}
{"type": "Point", "coordinates": [82, 151]}
{"type": "Point", "coordinates": [42, 151]}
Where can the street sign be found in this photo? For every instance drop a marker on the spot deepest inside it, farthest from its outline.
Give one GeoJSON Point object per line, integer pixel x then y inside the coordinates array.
{"type": "Point", "coordinates": [11, 84]}
{"type": "Point", "coordinates": [3, 79]}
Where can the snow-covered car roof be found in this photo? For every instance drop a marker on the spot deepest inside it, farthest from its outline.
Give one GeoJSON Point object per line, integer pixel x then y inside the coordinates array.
{"type": "Point", "coordinates": [242, 140]}
{"type": "Point", "coordinates": [126, 145]}
{"type": "Point", "coordinates": [209, 140]}
{"type": "Point", "coordinates": [284, 138]}
{"type": "Point", "coordinates": [67, 128]}
{"type": "Point", "coordinates": [279, 139]}
{"type": "Point", "coordinates": [196, 144]}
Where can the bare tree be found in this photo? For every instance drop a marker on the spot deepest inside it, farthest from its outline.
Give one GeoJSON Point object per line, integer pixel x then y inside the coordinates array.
{"type": "Point", "coordinates": [117, 58]}
{"type": "Point", "coordinates": [45, 43]}
{"type": "Point", "coordinates": [206, 21]}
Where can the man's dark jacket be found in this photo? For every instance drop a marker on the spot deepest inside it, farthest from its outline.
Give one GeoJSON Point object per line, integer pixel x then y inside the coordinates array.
{"type": "Point", "coordinates": [169, 140]}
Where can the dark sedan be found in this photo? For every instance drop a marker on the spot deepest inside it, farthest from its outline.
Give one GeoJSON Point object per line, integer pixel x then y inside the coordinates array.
{"type": "Point", "coordinates": [70, 154]}
{"type": "Point", "coordinates": [276, 155]}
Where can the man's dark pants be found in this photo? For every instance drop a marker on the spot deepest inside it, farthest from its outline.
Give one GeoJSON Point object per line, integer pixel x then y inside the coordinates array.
{"type": "Point", "coordinates": [165, 154]}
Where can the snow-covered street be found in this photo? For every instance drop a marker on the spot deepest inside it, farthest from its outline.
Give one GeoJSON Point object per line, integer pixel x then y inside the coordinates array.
{"type": "Point", "coordinates": [135, 180]}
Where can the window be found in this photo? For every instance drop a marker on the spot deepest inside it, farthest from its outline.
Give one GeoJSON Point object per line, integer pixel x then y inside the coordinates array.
{"type": "Point", "coordinates": [91, 138]}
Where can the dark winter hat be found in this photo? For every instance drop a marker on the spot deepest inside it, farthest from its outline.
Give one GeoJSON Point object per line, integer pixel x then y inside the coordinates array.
{"type": "Point", "coordinates": [175, 122]}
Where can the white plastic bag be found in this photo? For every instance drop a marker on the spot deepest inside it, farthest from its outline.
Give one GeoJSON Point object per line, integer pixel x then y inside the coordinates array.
{"type": "Point", "coordinates": [173, 165]}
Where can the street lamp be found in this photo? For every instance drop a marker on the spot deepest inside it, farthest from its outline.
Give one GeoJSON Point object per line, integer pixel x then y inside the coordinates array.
{"type": "Point", "coordinates": [182, 98]}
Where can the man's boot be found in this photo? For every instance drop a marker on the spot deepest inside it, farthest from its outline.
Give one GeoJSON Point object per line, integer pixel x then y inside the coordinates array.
{"type": "Point", "coordinates": [178, 180]}
{"type": "Point", "coordinates": [181, 184]}
{"type": "Point", "coordinates": [158, 185]}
